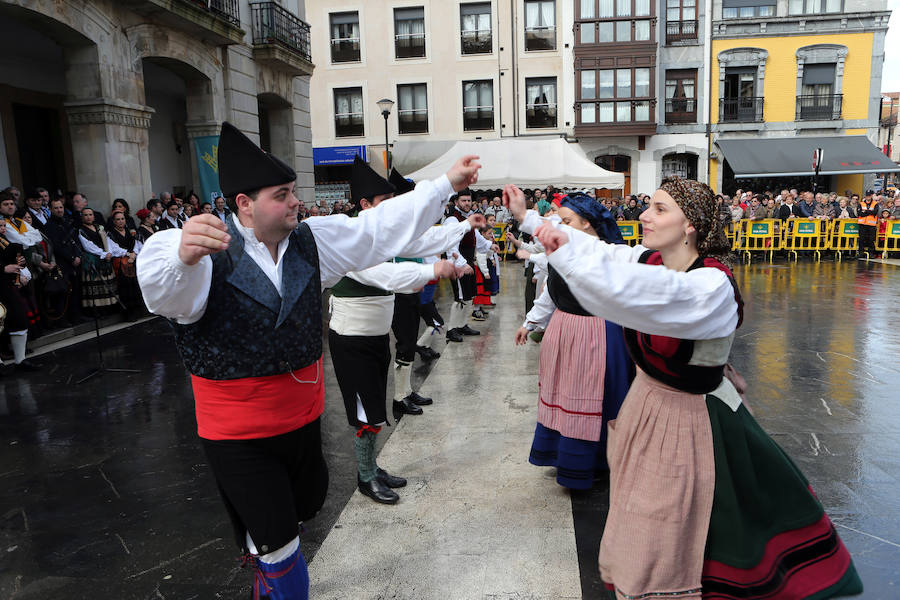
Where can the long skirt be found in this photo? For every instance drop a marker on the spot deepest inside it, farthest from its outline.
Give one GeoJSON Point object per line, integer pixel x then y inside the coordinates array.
{"type": "Point", "coordinates": [703, 504]}
{"type": "Point", "coordinates": [482, 289]}
{"type": "Point", "coordinates": [495, 278]}
{"type": "Point", "coordinates": [585, 372]}
{"type": "Point", "coordinates": [127, 283]}
{"type": "Point", "coordinates": [98, 282]}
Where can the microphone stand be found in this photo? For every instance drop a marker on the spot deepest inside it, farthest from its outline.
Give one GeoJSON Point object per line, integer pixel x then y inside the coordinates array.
{"type": "Point", "coordinates": [101, 365]}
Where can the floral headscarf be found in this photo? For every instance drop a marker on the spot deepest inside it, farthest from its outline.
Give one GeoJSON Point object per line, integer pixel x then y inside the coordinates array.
{"type": "Point", "coordinates": [698, 203]}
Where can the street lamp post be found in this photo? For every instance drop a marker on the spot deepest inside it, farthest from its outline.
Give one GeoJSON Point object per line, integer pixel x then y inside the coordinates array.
{"type": "Point", "coordinates": [385, 106]}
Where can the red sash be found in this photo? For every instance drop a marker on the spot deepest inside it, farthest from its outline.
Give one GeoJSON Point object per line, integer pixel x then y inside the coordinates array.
{"type": "Point", "coordinates": [258, 407]}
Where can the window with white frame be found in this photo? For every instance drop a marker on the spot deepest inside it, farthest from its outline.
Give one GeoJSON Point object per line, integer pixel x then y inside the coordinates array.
{"type": "Point", "coordinates": [348, 112]}
{"type": "Point", "coordinates": [344, 37]}
{"type": "Point", "coordinates": [607, 21]}
{"type": "Point", "coordinates": [475, 28]}
{"type": "Point", "coordinates": [540, 103]}
{"type": "Point", "coordinates": [813, 7]}
{"type": "Point", "coordinates": [540, 25]}
{"type": "Point", "coordinates": [478, 105]}
{"type": "Point", "coordinates": [412, 111]}
{"type": "Point", "coordinates": [747, 9]}
{"type": "Point", "coordinates": [614, 95]}
{"type": "Point", "coordinates": [409, 32]}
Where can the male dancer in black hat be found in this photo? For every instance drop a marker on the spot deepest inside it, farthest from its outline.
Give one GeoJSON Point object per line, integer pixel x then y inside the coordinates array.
{"type": "Point", "coordinates": [464, 287]}
{"type": "Point", "coordinates": [362, 304]}
{"type": "Point", "coordinates": [245, 301]}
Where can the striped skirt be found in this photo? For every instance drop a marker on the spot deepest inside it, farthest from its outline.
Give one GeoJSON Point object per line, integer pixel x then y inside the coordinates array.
{"type": "Point", "coordinates": [703, 504]}
{"type": "Point", "coordinates": [98, 282]}
{"type": "Point", "coordinates": [585, 372]}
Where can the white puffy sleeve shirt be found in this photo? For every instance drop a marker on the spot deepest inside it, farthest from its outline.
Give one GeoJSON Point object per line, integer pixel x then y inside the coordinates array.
{"type": "Point", "coordinates": [178, 291]}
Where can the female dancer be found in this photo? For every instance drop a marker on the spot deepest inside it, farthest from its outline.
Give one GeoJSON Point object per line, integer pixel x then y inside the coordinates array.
{"type": "Point", "coordinates": [703, 504]}
{"type": "Point", "coordinates": [573, 410]}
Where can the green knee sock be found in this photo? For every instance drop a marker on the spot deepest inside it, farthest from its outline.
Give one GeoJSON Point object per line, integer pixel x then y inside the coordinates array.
{"type": "Point", "coordinates": [365, 455]}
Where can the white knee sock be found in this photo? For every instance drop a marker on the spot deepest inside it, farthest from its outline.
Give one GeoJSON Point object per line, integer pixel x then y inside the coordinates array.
{"type": "Point", "coordinates": [18, 340]}
{"type": "Point", "coordinates": [402, 382]}
{"type": "Point", "coordinates": [425, 338]}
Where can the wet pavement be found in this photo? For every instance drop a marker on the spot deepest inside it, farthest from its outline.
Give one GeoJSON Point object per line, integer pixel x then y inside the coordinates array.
{"type": "Point", "coordinates": [104, 492]}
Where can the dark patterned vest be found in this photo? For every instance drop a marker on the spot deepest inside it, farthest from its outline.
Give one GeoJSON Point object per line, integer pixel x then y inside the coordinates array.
{"type": "Point", "coordinates": [693, 366]}
{"type": "Point", "coordinates": [248, 329]}
{"type": "Point", "coordinates": [467, 243]}
{"type": "Point", "coordinates": [562, 296]}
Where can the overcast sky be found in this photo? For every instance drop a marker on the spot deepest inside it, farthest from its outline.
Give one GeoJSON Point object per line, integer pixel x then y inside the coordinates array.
{"type": "Point", "coordinates": [890, 81]}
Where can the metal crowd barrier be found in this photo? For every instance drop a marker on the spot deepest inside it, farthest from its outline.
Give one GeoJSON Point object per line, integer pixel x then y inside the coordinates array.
{"type": "Point", "coordinates": [763, 235]}
{"type": "Point", "coordinates": [631, 232]}
{"type": "Point", "coordinates": [844, 237]}
{"type": "Point", "coordinates": [890, 240]}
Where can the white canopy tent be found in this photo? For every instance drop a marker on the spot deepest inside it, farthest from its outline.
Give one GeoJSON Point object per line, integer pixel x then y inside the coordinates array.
{"type": "Point", "coordinates": [528, 163]}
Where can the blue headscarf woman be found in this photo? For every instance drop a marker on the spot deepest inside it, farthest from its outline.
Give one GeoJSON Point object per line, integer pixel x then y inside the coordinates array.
{"type": "Point", "coordinates": [585, 369]}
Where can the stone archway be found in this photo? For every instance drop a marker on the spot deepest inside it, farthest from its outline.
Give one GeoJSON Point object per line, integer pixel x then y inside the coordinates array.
{"type": "Point", "coordinates": [183, 78]}
{"type": "Point", "coordinates": [276, 126]}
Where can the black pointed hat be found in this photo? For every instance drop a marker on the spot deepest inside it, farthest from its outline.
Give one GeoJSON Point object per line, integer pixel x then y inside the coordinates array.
{"type": "Point", "coordinates": [366, 183]}
{"type": "Point", "coordinates": [400, 182]}
{"type": "Point", "coordinates": [245, 167]}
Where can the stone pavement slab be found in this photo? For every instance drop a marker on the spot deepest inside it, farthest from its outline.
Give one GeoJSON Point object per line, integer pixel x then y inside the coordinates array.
{"type": "Point", "coordinates": [476, 521]}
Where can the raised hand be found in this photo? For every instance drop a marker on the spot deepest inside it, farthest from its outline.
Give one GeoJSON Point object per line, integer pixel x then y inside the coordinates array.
{"type": "Point", "coordinates": [551, 238]}
{"type": "Point", "coordinates": [464, 173]}
{"type": "Point", "coordinates": [476, 220]}
{"type": "Point", "coordinates": [461, 271]}
{"type": "Point", "coordinates": [202, 235]}
{"type": "Point", "coordinates": [514, 200]}
{"type": "Point", "coordinates": [444, 269]}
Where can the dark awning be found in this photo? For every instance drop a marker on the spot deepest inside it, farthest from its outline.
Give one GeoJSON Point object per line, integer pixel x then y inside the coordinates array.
{"type": "Point", "coordinates": [787, 157]}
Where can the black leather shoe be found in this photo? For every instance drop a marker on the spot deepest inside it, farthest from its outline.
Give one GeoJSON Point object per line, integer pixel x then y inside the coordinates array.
{"type": "Point", "coordinates": [377, 491]}
{"type": "Point", "coordinates": [466, 330]}
{"type": "Point", "coordinates": [405, 407]}
{"type": "Point", "coordinates": [27, 365]}
{"type": "Point", "coordinates": [392, 481]}
{"type": "Point", "coordinates": [454, 336]}
{"type": "Point", "coordinates": [427, 353]}
{"type": "Point", "coordinates": [418, 400]}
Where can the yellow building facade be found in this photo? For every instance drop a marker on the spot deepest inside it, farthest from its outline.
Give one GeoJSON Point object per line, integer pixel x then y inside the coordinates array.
{"type": "Point", "coordinates": [784, 85]}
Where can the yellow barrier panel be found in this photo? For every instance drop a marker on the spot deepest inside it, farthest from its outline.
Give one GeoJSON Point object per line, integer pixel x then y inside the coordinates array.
{"type": "Point", "coordinates": [890, 240]}
{"type": "Point", "coordinates": [500, 239]}
{"type": "Point", "coordinates": [763, 235]}
{"type": "Point", "coordinates": [631, 232]}
{"type": "Point", "coordinates": [807, 235]}
{"type": "Point", "coordinates": [844, 237]}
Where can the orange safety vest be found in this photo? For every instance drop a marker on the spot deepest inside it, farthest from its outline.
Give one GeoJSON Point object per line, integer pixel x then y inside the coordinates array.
{"type": "Point", "coordinates": [870, 219]}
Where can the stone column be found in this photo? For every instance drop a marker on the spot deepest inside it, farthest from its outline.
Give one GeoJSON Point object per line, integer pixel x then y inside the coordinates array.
{"type": "Point", "coordinates": [110, 150]}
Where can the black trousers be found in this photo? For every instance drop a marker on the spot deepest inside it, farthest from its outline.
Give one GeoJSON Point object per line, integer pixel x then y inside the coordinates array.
{"type": "Point", "coordinates": [405, 326]}
{"type": "Point", "coordinates": [464, 287]}
{"type": "Point", "coordinates": [867, 238]}
{"type": "Point", "coordinates": [270, 484]}
{"type": "Point", "coordinates": [361, 364]}
{"type": "Point", "coordinates": [530, 287]}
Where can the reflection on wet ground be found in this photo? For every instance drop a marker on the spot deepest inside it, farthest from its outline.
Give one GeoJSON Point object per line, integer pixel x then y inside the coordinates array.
{"type": "Point", "coordinates": [104, 491]}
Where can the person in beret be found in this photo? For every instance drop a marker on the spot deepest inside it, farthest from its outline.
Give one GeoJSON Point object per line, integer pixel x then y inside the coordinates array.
{"type": "Point", "coordinates": [244, 299]}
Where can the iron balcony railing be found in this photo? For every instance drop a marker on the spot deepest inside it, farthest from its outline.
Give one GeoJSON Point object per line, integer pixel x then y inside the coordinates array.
{"type": "Point", "coordinates": [272, 24]}
{"type": "Point", "coordinates": [681, 31]}
{"type": "Point", "coordinates": [819, 108]}
{"type": "Point", "coordinates": [229, 10]}
{"type": "Point", "coordinates": [741, 110]}
{"type": "Point", "coordinates": [681, 110]}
